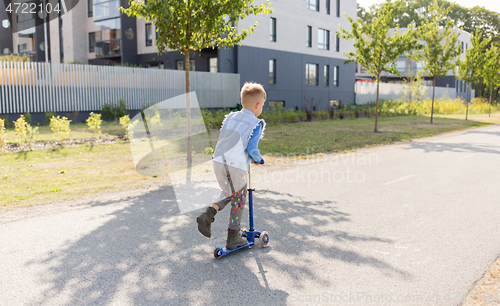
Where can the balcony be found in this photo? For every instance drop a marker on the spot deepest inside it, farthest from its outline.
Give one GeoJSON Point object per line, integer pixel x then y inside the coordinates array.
{"type": "Point", "coordinates": [26, 27]}
{"type": "Point", "coordinates": [108, 48]}
{"type": "Point", "coordinates": [104, 10]}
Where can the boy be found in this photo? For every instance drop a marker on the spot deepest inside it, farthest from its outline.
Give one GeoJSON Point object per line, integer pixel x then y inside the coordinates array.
{"type": "Point", "coordinates": [237, 146]}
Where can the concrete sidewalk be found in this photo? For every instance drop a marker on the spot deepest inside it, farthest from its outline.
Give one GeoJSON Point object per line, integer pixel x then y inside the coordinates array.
{"type": "Point", "coordinates": [406, 224]}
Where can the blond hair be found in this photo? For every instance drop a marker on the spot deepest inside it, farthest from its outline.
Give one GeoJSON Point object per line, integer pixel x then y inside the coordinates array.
{"type": "Point", "coordinates": [251, 93]}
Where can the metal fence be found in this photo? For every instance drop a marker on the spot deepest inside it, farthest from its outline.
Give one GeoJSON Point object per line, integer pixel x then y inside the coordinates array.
{"type": "Point", "coordinates": [43, 87]}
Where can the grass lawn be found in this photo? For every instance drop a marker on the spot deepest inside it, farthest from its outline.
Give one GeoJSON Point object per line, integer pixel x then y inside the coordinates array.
{"type": "Point", "coordinates": [78, 130]}
{"type": "Point", "coordinates": [348, 134]}
{"type": "Point", "coordinates": [46, 176]}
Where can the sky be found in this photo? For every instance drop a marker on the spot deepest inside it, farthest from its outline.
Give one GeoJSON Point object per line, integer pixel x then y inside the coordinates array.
{"type": "Point", "coordinates": [492, 5]}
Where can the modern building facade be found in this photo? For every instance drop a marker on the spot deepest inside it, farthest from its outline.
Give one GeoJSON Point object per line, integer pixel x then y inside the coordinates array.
{"type": "Point", "coordinates": [295, 53]}
{"type": "Point", "coordinates": [5, 32]}
{"type": "Point", "coordinates": [408, 67]}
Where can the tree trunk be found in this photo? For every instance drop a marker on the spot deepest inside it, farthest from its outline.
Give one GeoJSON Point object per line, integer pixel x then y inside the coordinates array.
{"type": "Point", "coordinates": [376, 105]}
{"type": "Point", "coordinates": [467, 102]}
{"type": "Point", "coordinates": [479, 87]}
{"type": "Point", "coordinates": [491, 94]}
{"type": "Point", "coordinates": [188, 118]}
{"type": "Point", "coordinates": [411, 91]}
{"type": "Point", "coordinates": [433, 93]}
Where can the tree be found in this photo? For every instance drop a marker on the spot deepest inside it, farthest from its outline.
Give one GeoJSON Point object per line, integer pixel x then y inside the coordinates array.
{"type": "Point", "coordinates": [409, 12]}
{"type": "Point", "coordinates": [376, 48]}
{"type": "Point", "coordinates": [470, 69]}
{"type": "Point", "coordinates": [439, 47]}
{"type": "Point", "coordinates": [490, 71]}
{"type": "Point", "coordinates": [191, 25]}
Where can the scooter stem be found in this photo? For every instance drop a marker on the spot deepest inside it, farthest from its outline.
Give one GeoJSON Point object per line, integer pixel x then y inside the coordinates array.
{"type": "Point", "coordinates": [250, 200]}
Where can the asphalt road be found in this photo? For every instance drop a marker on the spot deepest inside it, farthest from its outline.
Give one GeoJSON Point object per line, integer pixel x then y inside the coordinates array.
{"type": "Point", "coordinates": [406, 224]}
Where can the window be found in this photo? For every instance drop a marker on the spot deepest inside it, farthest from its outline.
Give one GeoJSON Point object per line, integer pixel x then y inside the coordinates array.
{"type": "Point", "coordinates": [356, 69]}
{"type": "Point", "coordinates": [276, 104]}
{"type": "Point", "coordinates": [273, 29]}
{"type": "Point", "coordinates": [401, 66]}
{"type": "Point", "coordinates": [338, 8]}
{"type": "Point", "coordinates": [334, 103]}
{"type": "Point", "coordinates": [92, 42]}
{"type": "Point", "coordinates": [323, 39]}
{"type": "Point", "coordinates": [466, 45]}
{"type": "Point", "coordinates": [155, 65]}
{"type": "Point", "coordinates": [22, 48]}
{"type": "Point", "coordinates": [462, 47]}
{"type": "Point", "coordinates": [326, 74]}
{"type": "Point", "coordinates": [272, 71]}
{"type": "Point", "coordinates": [106, 9]}
{"type": "Point", "coordinates": [309, 36]}
{"type": "Point", "coordinates": [328, 7]}
{"type": "Point", "coordinates": [180, 65]}
{"type": "Point", "coordinates": [336, 76]}
{"type": "Point", "coordinates": [337, 42]}
{"type": "Point", "coordinates": [90, 8]}
{"type": "Point", "coordinates": [311, 74]}
{"type": "Point", "coordinates": [213, 64]}
{"type": "Point", "coordinates": [313, 5]}
{"type": "Point", "coordinates": [149, 34]}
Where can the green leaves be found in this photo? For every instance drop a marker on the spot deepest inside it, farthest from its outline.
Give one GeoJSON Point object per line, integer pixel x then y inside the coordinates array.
{"type": "Point", "coordinates": [440, 49]}
{"type": "Point", "coordinates": [376, 48]}
{"type": "Point", "coordinates": [491, 71]}
{"type": "Point", "coordinates": [189, 25]}
{"type": "Point", "coordinates": [470, 69]}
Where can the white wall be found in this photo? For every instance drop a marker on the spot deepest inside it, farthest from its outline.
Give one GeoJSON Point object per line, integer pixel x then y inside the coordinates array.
{"type": "Point", "coordinates": [367, 92]}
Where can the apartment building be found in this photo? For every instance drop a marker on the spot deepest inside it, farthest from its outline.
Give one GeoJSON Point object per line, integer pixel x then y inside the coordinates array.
{"type": "Point", "coordinates": [295, 53]}
{"type": "Point", "coordinates": [408, 67]}
{"type": "Point", "coordinates": [6, 46]}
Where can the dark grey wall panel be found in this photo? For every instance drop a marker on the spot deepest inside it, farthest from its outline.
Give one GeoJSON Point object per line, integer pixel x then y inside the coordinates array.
{"type": "Point", "coordinates": [253, 65]}
{"type": "Point", "coordinates": [446, 81]}
{"type": "Point", "coordinates": [5, 34]}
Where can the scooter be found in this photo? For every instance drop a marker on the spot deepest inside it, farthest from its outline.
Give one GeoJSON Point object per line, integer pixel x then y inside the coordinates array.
{"type": "Point", "coordinates": [253, 237]}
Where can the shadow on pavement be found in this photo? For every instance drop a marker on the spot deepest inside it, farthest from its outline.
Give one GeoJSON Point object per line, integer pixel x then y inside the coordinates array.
{"type": "Point", "coordinates": [454, 147]}
{"type": "Point", "coordinates": [149, 254]}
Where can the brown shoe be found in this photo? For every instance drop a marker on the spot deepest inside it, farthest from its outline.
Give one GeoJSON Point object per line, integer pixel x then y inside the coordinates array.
{"type": "Point", "coordinates": [205, 221]}
{"type": "Point", "coordinates": [234, 240]}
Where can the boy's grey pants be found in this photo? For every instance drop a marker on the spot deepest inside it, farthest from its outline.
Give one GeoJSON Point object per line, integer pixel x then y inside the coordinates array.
{"type": "Point", "coordinates": [233, 182]}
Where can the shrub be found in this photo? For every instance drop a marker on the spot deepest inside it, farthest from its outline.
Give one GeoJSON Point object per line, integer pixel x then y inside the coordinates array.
{"type": "Point", "coordinates": [321, 114]}
{"type": "Point", "coordinates": [213, 120]}
{"type": "Point", "coordinates": [129, 127]}
{"type": "Point", "coordinates": [291, 116]}
{"type": "Point", "coordinates": [48, 116]}
{"type": "Point", "coordinates": [27, 117]}
{"type": "Point", "coordinates": [60, 127]}
{"type": "Point", "coordinates": [72, 116]}
{"type": "Point", "coordinates": [2, 133]}
{"type": "Point", "coordinates": [274, 115]}
{"type": "Point", "coordinates": [24, 131]}
{"type": "Point", "coordinates": [94, 123]}
{"type": "Point", "coordinates": [111, 112]}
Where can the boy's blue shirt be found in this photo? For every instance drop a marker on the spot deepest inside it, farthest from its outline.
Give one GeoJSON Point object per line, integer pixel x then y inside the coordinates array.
{"type": "Point", "coordinates": [253, 144]}
{"type": "Point", "coordinates": [251, 130]}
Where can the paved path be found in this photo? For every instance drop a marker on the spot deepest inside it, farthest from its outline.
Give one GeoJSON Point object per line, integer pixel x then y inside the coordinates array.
{"type": "Point", "coordinates": [412, 221]}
